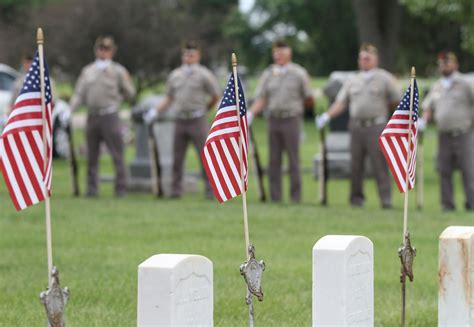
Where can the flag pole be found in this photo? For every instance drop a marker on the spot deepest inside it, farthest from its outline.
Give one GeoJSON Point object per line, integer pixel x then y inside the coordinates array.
{"type": "Point", "coordinates": [242, 182]}
{"type": "Point", "coordinates": [410, 123]}
{"type": "Point", "coordinates": [49, 243]}
{"type": "Point", "coordinates": [249, 299]}
{"type": "Point", "coordinates": [406, 252]}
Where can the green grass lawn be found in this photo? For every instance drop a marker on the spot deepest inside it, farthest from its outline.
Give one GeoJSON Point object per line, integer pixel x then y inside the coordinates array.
{"type": "Point", "coordinates": [98, 244]}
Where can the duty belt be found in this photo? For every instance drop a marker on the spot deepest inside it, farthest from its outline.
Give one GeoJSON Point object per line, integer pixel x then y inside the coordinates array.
{"type": "Point", "coordinates": [104, 111]}
{"type": "Point", "coordinates": [283, 114]}
{"type": "Point", "coordinates": [190, 114]}
{"type": "Point", "coordinates": [358, 122]}
{"type": "Point", "coordinates": [456, 132]}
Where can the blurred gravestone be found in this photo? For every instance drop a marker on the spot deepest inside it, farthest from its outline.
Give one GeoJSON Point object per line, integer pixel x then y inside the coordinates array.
{"type": "Point", "coordinates": [140, 172]}
{"type": "Point", "coordinates": [330, 90]}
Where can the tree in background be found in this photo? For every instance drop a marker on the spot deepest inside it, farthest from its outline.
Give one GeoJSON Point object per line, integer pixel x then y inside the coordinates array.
{"type": "Point", "coordinates": [149, 33]}
{"type": "Point", "coordinates": [325, 35]}
{"type": "Point", "coordinates": [446, 25]}
{"type": "Point", "coordinates": [410, 32]}
{"type": "Point", "coordinates": [14, 20]}
{"type": "Point", "coordinates": [378, 22]}
{"type": "Point", "coordinates": [322, 33]}
{"type": "Point", "coordinates": [460, 11]}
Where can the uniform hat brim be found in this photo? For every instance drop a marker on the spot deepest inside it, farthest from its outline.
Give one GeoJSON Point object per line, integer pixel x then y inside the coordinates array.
{"type": "Point", "coordinates": [106, 42]}
{"type": "Point", "coordinates": [447, 56]}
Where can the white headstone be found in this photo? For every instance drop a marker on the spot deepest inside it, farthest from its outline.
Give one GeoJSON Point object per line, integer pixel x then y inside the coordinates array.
{"type": "Point", "coordinates": [456, 277]}
{"type": "Point", "coordinates": [175, 290]}
{"type": "Point", "coordinates": [343, 281]}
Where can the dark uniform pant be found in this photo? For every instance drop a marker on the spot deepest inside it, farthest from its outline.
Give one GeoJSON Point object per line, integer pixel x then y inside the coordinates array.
{"type": "Point", "coordinates": [194, 130]}
{"type": "Point", "coordinates": [105, 128]}
{"type": "Point", "coordinates": [364, 141]}
{"type": "Point", "coordinates": [456, 151]}
{"type": "Point", "coordinates": [284, 135]}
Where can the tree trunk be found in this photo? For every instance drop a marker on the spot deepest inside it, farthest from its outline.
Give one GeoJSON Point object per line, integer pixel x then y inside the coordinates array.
{"type": "Point", "coordinates": [378, 22]}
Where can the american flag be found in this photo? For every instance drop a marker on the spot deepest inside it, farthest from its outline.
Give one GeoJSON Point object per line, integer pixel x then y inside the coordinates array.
{"type": "Point", "coordinates": [394, 141]}
{"type": "Point", "coordinates": [21, 142]}
{"type": "Point", "coordinates": [221, 154]}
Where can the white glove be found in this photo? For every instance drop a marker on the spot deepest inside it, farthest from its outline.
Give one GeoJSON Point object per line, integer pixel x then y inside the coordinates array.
{"type": "Point", "coordinates": [65, 116]}
{"type": "Point", "coordinates": [421, 124]}
{"type": "Point", "coordinates": [322, 120]}
{"type": "Point", "coordinates": [150, 116]}
{"type": "Point", "coordinates": [249, 118]}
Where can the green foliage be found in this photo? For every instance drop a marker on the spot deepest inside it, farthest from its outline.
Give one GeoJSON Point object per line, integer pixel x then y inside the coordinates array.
{"type": "Point", "coordinates": [11, 10]}
{"type": "Point", "coordinates": [149, 33]}
{"type": "Point", "coordinates": [331, 41]}
{"type": "Point", "coordinates": [322, 33]}
{"type": "Point", "coordinates": [460, 11]}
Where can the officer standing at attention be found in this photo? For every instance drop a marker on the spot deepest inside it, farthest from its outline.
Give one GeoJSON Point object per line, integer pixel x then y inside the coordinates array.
{"type": "Point", "coordinates": [284, 90]}
{"type": "Point", "coordinates": [101, 87]}
{"type": "Point", "coordinates": [192, 90]}
{"type": "Point", "coordinates": [26, 61]}
{"type": "Point", "coordinates": [371, 95]}
{"type": "Point", "coordinates": [451, 102]}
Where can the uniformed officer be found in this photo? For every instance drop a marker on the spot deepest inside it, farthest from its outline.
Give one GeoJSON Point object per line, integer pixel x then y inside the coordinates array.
{"type": "Point", "coordinates": [101, 87]}
{"type": "Point", "coordinates": [371, 95]}
{"type": "Point", "coordinates": [284, 90]}
{"type": "Point", "coordinates": [26, 61]}
{"type": "Point", "coordinates": [192, 90]}
{"type": "Point", "coordinates": [451, 102]}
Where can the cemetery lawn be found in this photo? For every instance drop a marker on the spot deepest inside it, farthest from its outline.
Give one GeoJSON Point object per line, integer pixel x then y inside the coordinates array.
{"type": "Point", "coordinates": [98, 244]}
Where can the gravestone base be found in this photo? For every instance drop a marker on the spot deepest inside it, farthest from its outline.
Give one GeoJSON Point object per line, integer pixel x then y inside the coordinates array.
{"type": "Point", "coordinates": [339, 157]}
{"type": "Point", "coordinates": [140, 168]}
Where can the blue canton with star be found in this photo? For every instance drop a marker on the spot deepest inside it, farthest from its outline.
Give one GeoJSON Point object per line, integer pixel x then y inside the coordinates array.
{"type": "Point", "coordinates": [229, 96]}
{"type": "Point", "coordinates": [405, 103]}
{"type": "Point", "coordinates": [32, 79]}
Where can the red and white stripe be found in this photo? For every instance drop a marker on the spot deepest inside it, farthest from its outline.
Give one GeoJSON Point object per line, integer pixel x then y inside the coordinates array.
{"type": "Point", "coordinates": [221, 154]}
{"type": "Point", "coordinates": [394, 145]}
{"type": "Point", "coordinates": [22, 151]}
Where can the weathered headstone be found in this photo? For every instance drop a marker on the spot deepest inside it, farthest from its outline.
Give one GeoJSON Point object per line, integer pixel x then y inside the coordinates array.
{"type": "Point", "coordinates": [140, 169]}
{"type": "Point", "coordinates": [175, 290]}
{"type": "Point", "coordinates": [140, 166]}
{"type": "Point", "coordinates": [456, 277]}
{"type": "Point", "coordinates": [343, 281]}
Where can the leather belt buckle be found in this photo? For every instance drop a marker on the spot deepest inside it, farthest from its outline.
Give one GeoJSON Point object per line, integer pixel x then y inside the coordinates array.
{"type": "Point", "coordinates": [282, 115]}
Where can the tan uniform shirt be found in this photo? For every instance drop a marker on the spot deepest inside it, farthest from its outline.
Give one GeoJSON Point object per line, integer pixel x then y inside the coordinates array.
{"type": "Point", "coordinates": [285, 89]}
{"type": "Point", "coordinates": [18, 84]}
{"type": "Point", "coordinates": [453, 105]}
{"type": "Point", "coordinates": [190, 87]}
{"type": "Point", "coordinates": [102, 90]}
{"type": "Point", "coordinates": [369, 94]}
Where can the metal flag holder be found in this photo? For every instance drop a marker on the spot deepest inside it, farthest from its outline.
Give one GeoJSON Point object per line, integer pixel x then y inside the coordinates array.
{"type": "Point", "coordinates": [407, 255]}
{"type": "Point", "coordinates": [54, 300]}
{"type": "Point", "coordinates": [252, 270]}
